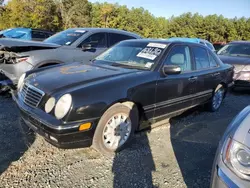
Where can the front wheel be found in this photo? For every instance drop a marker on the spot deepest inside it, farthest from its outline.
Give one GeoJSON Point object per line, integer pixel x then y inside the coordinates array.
{"type": "Point", "coordinates": [217, 98]}
{"type": "Point", "coordinates": [115, 129]}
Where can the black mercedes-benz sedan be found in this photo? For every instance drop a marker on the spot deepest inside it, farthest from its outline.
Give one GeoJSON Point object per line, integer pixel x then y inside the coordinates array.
{"type": "Point", "coordinates": [127, 88]}
{"type": "Point", "coordinates": [238, 54]}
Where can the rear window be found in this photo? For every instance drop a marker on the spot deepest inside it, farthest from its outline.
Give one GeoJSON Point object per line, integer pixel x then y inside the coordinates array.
{"type": "Point", "coordinates": [115, 38]}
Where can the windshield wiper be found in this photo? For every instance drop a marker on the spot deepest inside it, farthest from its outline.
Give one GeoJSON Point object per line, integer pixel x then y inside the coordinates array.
{"type": "Point", "coordinates": [128, 66]}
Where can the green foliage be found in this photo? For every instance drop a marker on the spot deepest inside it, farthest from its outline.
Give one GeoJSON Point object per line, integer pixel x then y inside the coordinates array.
{"type": "Point", "coordinates": [61, 14]}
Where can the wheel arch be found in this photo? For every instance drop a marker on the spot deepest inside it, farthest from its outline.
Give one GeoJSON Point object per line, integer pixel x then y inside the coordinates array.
{"type": "Point", "coordinates": [48, 63]}
{"type": "Point", "coordinates": [130, 104]}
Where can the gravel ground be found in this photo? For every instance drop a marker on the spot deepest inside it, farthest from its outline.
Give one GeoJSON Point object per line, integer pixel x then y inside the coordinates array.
{"type": "Point", "coordinates": [179, 154]}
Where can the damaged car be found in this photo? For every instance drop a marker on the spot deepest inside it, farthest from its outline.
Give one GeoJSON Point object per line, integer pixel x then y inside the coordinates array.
{"type": "Point", "coordinates": [127, 88]}
{"type": "Point", "coordinates": [80, 44]}
{"type": "Point", "coordinates": [238, 54]}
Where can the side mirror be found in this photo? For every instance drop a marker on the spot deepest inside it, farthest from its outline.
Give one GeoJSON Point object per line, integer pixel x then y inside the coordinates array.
{"type": "Point", "coordinates": [86, 47]}
{"type": "Point", "coordinates": [171, 69]}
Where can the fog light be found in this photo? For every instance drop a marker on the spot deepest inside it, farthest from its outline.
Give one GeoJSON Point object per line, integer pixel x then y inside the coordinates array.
{"type": "Point", "coordinates": [84, 126]}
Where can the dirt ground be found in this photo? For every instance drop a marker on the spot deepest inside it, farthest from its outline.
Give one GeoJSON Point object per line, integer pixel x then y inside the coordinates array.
{"type": "Point", "coordinates": [179, 154]}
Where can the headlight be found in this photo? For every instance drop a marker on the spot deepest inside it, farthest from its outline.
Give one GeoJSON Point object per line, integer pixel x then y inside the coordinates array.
{"type": "Point", "coordinates": [237, 157]}
{"type": "Point", "coordinates": [50, 104]}
{"type": "Point", "coordinates": [246, 68]}
{"type": "Point", "coordinates": [21, 82]}
{"type": "Point", "coordinates": [62, 106]}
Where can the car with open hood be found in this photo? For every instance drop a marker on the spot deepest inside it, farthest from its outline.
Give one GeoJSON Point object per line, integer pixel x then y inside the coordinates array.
{"type": "Point", "coordinates": [238, 54]}
{"type": "Point", "coordinates": [127, 88]}
{"type": "Point", "coordinates": [232, 161]}
{"type": "Point", "coordinates": [79, 44]}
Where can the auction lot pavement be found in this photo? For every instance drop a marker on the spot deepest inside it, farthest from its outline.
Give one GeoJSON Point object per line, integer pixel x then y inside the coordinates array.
{"type": "Point", "coordinates": [179, 154]}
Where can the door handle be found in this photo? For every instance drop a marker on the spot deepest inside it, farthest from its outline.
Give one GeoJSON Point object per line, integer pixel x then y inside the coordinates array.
{"type": "Point", "coordinates": [193, 78]}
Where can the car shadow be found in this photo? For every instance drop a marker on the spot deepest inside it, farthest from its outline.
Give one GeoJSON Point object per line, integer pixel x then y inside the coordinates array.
{"type": "Point", "coordinates": [133, 166]}
{"type": "Point", "coordinates": [15, 137]}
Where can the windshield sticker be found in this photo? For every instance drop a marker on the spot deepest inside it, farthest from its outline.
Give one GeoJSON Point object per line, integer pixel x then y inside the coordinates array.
{"type": "Point", "coordinates": [68, 43]}
{"type": "Point", "coordinates": [150, 53]}
{"type": "Point", "coordinates": [80, 31]}
{"type": "Point", "coordinates": [157, 45]}
{"type": "Point", "coordinates": [148, 65]}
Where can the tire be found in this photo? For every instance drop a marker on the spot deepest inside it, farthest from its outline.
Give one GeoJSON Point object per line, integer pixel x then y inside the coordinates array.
{"type": "Point", "coordinates": [217, 99]}
{"type": "Point", "coordinates": [105, 132]}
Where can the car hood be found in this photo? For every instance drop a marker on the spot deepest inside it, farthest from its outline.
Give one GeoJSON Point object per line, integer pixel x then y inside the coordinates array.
{"type": "Point", "coordinates": [235, 60]}
{"type": "Point", "coordinates": [73, 75]}
{"type": "Point", "coordinates": [17, 45]}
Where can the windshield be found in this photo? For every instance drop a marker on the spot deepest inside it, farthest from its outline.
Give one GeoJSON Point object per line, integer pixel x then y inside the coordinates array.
{"type": "Point", "coordinates": [18, 33]}
{"type": "Point", "coordinates": [235, 50]}
{"type": "Point", "coordinates": [66, 37]}
{"type": "Point", "coordinates": [129, 54]}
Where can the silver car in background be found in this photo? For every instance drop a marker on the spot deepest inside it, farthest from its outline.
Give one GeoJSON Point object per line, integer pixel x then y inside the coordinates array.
{"type": "Point", "coordinates": [71, 45]}
{"type": "Point", "coordinates": [232, 162]}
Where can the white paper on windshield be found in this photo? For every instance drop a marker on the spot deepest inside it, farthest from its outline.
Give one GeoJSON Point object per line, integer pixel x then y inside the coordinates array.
{"type": "Point", "coordinates": [67, 43]}
{"type": "Point", "coordinates": [80, 31]}
{"type": "Point", "coordinates": [157, 45]}
{"type": "Point", "coordinates": [148, 65]}
{"type": "Point", "coordinates": [150, 53]}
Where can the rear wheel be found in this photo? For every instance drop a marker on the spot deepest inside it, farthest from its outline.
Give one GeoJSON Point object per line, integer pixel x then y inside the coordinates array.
{"type": "Point", "coordinates": [217, 98]}
{"type": "Point", "coordinates": [115, 129]}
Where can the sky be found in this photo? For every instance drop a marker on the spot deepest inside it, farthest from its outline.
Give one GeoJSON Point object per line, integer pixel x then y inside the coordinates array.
{"type": "Point", "coordinates": [167, 8]}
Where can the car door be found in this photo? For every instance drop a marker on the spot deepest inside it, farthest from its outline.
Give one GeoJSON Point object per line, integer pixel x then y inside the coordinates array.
{"type": "Point", "coordinates": [208, 73]}
{"type": "Point", "coordinates": [98, 43]}
{"type": "Point", "coordinates": [114, 38]}
{"type": "Point", "coordinates": [176, 92]}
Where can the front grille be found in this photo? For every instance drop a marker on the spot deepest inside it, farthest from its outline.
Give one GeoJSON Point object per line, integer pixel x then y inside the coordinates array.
{"type": "Point", "coordinates": [31, 95]}
{"type": "Point", "coordinates": [238, 68]}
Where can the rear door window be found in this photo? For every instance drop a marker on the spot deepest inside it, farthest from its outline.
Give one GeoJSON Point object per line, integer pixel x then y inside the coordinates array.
{"type": "Point", "coordinates": [115, 38]}
{"type": "Point", "coordinates": [201, 58]}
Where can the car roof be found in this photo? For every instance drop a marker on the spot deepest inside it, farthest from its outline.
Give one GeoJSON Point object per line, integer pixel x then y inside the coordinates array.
{"type": "Point", "coordinates": [108, 30]}
{"type": "Point", "coordinates": [162, 41]}
{"type": "Point", "coordinates": [186, 39]}
{"type": "Point", "coordinates": [194, 40]}
{"type": "Point", "coordinates": [240, 42]}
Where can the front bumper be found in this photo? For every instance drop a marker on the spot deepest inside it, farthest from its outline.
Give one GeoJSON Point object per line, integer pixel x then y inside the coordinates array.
{"type": "Point", "coordinates": [12, 72]}
{"type": "Point", "coordinates": [223, 177]}
{"type": "Point", "coordinates": [59, 134]}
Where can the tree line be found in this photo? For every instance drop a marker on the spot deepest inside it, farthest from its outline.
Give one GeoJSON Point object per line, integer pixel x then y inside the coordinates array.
{"type": "Point", "coordinates": [57, 15]}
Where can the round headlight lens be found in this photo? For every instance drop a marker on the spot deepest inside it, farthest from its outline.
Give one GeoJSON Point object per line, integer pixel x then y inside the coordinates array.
{"type": "Point", "coordinates": [50, 104]}
{"type": "Point", "coordinates": [62, 106]}
{"type": "Point", "coordinates": [244, 158]}
{"type": "Point", "coordinates": [21, 82]}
